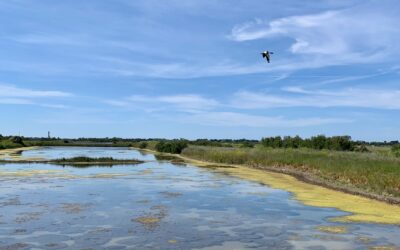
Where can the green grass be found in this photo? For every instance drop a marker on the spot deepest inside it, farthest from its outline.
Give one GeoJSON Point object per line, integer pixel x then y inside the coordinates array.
{"type": "Point", "coordinates": [6, 144]}
{"type": "Point", "coordinates": [373, 172]}
{"type": "Point", "coordinates": [149, 144]}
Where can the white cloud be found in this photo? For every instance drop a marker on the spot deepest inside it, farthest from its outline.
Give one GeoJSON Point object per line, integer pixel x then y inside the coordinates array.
{"type": "Point", "coordinates": [205, 111]}
{"type": "Point", "coordinates": [12, 91]}
{"type": "Point", "coordinates": [299, 97]}
{"type": "Point", "coordinates": [184, 102]}
{"type": "Point", "coordinates": [15, 101]}
{"type": "Point", "coordinates": [367, 33]}
{"type": "Point", "coordinates": [51, 39]}
{"type": "Point", "coordinates": [245, 120]}
{"type": "Point", "coordinates": [117, 103]}
{"type": "Point", "coordinates": [10, 94]}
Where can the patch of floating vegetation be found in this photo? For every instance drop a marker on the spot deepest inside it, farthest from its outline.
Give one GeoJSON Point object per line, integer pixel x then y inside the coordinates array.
{"type": "Point", "coordinates": [383, 248]}
{"type": "Point", "coordinates": [362, 209]}
{"type": "Point", "coordinates": [330, 237]}
{"type": "Point", "coordinates": [148, 220]}
{"type": "Point", "coordinates": [333, 229]}
{"type": "Point", "coordinates": [143, 201]}
{"type": "Point", "coordinates": [103, 176]}
{"type": "Point", "coordinates": [62, 174]}
{"type": "Point", "coordinates": [20, 231]}
{"type": "Point", "coordinates": [152, 219]}
{"type": "Point", "coordinates": [11, 202]}
{"type": "Point", "coordinates": [364, 239]}
{"type": "Point", "coordinates": [74, 208]}
{"type": "Point", "coordinates": [15, 246]}
{"type": "Point", "coordinates": [146, 171]}
{"type": "Point", "coordinates": [172, 241]}
{"type": "Point", "coordinates": [26, 217]}
{"type": "Point", "coordinates": [29, 173]}
{"type": "Point", "coordinates": [168, 194]}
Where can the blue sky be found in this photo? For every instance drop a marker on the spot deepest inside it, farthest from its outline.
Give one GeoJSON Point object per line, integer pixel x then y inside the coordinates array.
{"type": "Point", "coordinates": [193, 68]}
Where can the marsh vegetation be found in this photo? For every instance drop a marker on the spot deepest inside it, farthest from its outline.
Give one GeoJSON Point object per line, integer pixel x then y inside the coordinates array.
{"type": "Point", "coordinates": [371, 173]}
{"type": "Point", "coordinates": [11, 142]}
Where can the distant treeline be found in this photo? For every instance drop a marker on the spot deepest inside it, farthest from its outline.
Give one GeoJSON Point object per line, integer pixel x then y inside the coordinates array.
{"type": "Point", "coordinates": [377, 143]}
{"type": "Point", "coordinates": [115, 140]}
{"type": "Point", "coordinates": [341, 143]}
{"type": "Point", "coordinates": [176, 146]}
{"type": "Point", "coordinates": [224, 142]}
{"type": "Point", "coordinates": [319, 142]}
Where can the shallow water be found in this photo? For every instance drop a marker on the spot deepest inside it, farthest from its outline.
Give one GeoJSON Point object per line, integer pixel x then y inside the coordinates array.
{"type": "Point", "coordinates": [96, 152]}
{"type": "Point", "coordinates": [159, 205]}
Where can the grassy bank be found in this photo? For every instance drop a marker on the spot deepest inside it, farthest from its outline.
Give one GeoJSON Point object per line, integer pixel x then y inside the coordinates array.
{"type": "Point", "coordinates": [10, 143]}
{"type": "Point", "coordinates": [369, 174]}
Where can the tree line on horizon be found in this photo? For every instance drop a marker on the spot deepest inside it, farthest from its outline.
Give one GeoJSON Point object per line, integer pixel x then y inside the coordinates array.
{"type": "Point", "coordinates": [319, 142]}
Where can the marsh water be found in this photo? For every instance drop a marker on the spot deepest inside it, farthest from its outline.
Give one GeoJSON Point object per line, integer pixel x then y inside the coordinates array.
{"type": "Point", "coordinates": [160, 205]}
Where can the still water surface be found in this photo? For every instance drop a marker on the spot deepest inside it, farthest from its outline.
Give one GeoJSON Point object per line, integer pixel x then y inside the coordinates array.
{"type": "Point", "coordinates": [159, 205]}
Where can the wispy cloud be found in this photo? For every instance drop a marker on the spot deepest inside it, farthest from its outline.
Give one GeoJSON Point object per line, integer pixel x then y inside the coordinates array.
{"type": "Point", "coordinates": [229, 119]}
{"type": "Point", "coordinates": [300, 97]}
{"type": "Point", "coordinates": [196, 109]}
{"type": "Point", "coordinates": [184, 102]}
{"type": "Point", "coordinates": [17, 101]}
{"type": "Point", "coordinates": [339, 36]}
{"type": "Point", "coordinates": [7, 90]}
{"type": "Point", "coordinates": [10, 94]}
{"type": "Point", "coordinates": [51, 39]}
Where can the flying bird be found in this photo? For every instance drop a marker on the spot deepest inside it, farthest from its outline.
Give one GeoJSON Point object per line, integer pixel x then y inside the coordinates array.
{"type": "Point", "coordinates": [267, 55]}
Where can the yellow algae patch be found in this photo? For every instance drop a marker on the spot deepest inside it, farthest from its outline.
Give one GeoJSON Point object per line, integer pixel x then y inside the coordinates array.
{"type": "Point", "coordinates": [332, 229]}
{"type": "Point", "coordinates": [172, 241]}
{"type": "Point", "coordinates": [383, 248]}
{"type": "Point", "coordinates": [364, 239]}
{"type": "Point", "coordinates": [148, 220]}
{"type": "Point", "coordinates": [146, 171]}
{"type": "Point", "coordinates": [107, 175]}
{"type": "Point", "coordinates": [12, 152]}
{"type": "Point", "coordinates": [362, 209]}
{"type": "Point", "coordinates": [28, 173]}
{"type": "Point", "coordinates": [55, 174]}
